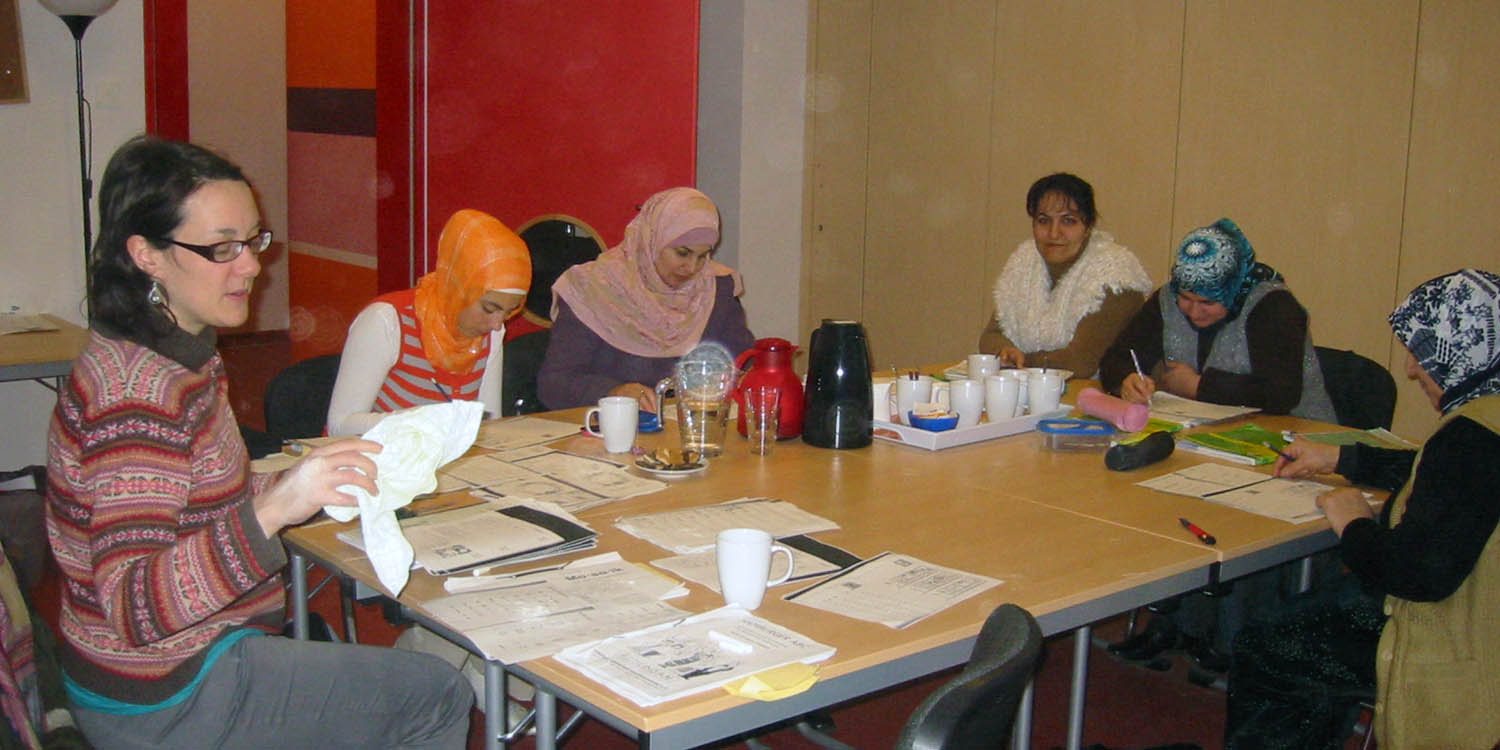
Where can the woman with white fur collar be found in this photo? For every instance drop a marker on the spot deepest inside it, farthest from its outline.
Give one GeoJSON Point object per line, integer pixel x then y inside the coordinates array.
{"type": "Point", "coordinates": [1064, 294]}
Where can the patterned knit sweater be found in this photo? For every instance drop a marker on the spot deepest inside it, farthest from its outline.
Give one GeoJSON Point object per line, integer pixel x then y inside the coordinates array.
{"type": "Point", "coordinates": [150, 519]}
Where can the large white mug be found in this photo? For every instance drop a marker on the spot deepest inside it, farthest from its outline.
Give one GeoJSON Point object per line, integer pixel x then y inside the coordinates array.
{"type": "Point", "coordinates": [911, 391]}
{"type": "Point", "coordinates": [1000, 395]}
{"type": "Point", "coordinates": [1045, 391]}
{"type": "Point", "coordinates": [617, 422]}
{"type": "Point", "coordinates": [982, 366]}
{"type": "Point", "coordinates": [744, 560]}
{"type": "Point", "coordinates": [966, 398]}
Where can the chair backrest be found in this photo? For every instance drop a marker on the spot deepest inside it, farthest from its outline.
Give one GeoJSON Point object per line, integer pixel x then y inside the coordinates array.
{"type": "Point", "coordinates": [523, 359]}
{"type": "Point", "coordinates": [978, 707]}
{"type": "Point", "coordinates": [557, 242]}
{"type": "Point", "coordinates": [1362, 390]}
{"type": "Point", "coordinates": [297, 398]}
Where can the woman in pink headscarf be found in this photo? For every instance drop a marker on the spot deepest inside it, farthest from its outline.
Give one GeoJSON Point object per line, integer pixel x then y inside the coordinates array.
{"type": "Point", "coordinates": [620, 322]}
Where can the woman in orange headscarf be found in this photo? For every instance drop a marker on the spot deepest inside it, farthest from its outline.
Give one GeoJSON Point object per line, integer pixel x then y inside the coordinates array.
{"type": "Point", "coordinates": [442, 340]}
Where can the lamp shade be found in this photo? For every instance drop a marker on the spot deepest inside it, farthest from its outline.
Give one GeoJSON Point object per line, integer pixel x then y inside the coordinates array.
{"type": "Point", "coordinates": [78, 7]}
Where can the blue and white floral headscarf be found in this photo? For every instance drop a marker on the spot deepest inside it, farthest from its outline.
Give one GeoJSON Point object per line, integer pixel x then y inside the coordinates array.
{"type": "Point", "coordinates": [1451, 325]}
{"type": "Point", "coordinates": [1218, 262]}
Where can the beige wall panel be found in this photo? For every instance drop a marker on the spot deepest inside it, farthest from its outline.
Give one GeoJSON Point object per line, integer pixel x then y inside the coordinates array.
{"type": "Point", "coordinates": [931, 81]}
{"type": "Point", "coordinates": [1294, 124]}
{"type": "Point", "coordinates": [838, 144]}
{"type": "Point", "coordinates": [1453, 184]}
{"type": "Point", "coordinates": [1092, 91]}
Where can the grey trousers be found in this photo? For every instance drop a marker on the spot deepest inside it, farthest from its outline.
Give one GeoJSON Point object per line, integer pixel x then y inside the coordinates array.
{"type": "Point", "coordinates": [275, 692]}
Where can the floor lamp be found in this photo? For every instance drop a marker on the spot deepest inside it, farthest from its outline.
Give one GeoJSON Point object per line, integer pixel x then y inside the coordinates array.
{"type": "Point", "coordinates": [78, 14]}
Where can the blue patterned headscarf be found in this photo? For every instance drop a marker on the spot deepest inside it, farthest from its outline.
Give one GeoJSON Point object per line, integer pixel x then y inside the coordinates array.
{"type": "Point", "coordinates": [1451, 325]}
{"type": "Point", "coordinates": [1218, 262]}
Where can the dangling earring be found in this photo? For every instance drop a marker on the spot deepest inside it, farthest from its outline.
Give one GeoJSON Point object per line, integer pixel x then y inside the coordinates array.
{"type": "Point", "coordinates": [156, 296]}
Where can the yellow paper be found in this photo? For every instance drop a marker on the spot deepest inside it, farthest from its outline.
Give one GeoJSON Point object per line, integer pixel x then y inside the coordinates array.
{"type": "Point", "coordinates": [775, 684]}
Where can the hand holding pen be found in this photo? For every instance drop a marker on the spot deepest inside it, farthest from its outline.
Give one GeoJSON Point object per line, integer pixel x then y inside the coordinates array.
{"type": "Point", "coordinates": [1304, 458]}
{"type": "Point", "coordinates": [1137, 389]}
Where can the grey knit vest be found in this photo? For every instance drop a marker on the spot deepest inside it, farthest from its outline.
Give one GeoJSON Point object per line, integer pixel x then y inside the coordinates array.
{"type": "Point", "coordinates": [1231, 350]}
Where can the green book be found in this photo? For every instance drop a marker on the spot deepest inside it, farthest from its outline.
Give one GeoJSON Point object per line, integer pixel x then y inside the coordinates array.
{"type": "Point", "coordinates": [1244, 444]}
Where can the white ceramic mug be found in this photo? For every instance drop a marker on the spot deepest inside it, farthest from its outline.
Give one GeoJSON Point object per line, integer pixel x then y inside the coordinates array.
{"type": "Point", "coordinates": [880, 394]}
{"type": "Point", "coordinates": [1045, 391]}
{"type": "Point", "coordinates": [967, 400]}
{"type": "Point", "coordinates": [982, 366]}
{"type": "Point", "coordinates": [744, 560]}
{"type": "Point", "coordinates": [911, 391]}
{"type": "Point", "coordinates": [617, 422]}
{"type": "Point", "coordinates": [1000, 395]}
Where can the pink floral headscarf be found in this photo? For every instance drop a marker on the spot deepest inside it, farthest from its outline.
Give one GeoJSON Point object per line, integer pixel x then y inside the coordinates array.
{"type": "Point", "coordinates": [620, 295]}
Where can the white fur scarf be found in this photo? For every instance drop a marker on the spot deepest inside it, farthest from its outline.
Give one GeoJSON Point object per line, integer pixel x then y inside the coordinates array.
{"type": "Point", "coordinates": [1038, 317]}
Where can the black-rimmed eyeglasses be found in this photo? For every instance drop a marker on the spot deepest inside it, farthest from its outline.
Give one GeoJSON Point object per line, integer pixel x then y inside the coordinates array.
{"type": "Point", "coordinates": [223, 252]}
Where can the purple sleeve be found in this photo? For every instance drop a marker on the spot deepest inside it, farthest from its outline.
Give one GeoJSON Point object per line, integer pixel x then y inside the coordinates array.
{"type": "Point", "coordinates": [575, 370]}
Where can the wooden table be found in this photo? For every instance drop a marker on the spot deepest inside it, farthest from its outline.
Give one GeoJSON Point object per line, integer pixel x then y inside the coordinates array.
{"type": "Point", "coordinates": [33, 355]}
{"type": "Point", "coordinates": [1073, 543]}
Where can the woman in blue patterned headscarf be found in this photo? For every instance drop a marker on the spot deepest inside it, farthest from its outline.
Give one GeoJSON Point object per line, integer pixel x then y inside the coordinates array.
{"type": "Point", "coordinates": [1225, 329]}
{"type": "Point", "coordinates": [1424, 583]}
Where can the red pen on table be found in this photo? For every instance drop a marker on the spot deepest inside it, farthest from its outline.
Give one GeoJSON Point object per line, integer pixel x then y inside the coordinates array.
{"type": "Point", "coordinates": [1203, 536]}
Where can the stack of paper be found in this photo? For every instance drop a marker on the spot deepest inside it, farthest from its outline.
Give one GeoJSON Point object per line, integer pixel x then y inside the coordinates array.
{"type": "Point", "coordinates": [489, 534]}
{"type": "Point", "coordinates": [1190, 413]}
{"type": "Point", "coordinates": [532, 614]}
{"type": "Point", "coordinates": [1292, 500]}
{"type": "Point", "coordinates": [699, 653]}
{"type": "Point", "coordinates": [894, 590]}
{"type": "Point", "coordinates": [695, 529]}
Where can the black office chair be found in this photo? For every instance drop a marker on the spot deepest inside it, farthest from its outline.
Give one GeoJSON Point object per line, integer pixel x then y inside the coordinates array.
{"type": "Point", "coordinates": [1362, 390]}
{"type": "Point", "coordinates": [523, 358]}
{"type": "Point", "coordinates": [557, 242]}
{"type": "Point", "coordinates": [297, 398]}
{"type": "Point", "coordinates": [978, 707]}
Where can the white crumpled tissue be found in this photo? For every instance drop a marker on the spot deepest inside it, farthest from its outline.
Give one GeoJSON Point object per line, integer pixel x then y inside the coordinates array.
{"type": "Point", "coordinates": [416, 442]}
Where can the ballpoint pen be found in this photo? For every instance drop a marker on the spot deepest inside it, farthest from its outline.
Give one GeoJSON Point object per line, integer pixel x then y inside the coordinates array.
{"type": "Point", "coordinates": [1203, 536]}
{"type": "Point", "coordinates": [440, 389]}
{"type": "Point", "coordinates": [1275, 450]}
{"type": "Point", "coordinates": [1137, 362]}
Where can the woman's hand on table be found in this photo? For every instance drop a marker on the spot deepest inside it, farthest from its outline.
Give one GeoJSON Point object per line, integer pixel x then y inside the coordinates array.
{"type": "Point", "coordinates": [1307, 458]}
{"type": "Point", "coordinates": [1342, 506]}
{"type": "Point", "coordinates": [1180, 378]}
{"type": "Point", "coordinates": [1137, 389]}
{"type": "Point", "coordinates": [1012, 357]}
{"type": "Point", "coordinates": [314, 481]}
{"type": "Point", "coordinates": [643, 395]}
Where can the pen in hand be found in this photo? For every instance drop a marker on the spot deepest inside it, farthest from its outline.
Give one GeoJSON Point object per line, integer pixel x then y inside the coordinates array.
{"type": "Point", "coordinates": [1289, 459]}
{"type": "Point", "coordinates": [1137, 361]}
{"type": "Point", "coordinates": [440, 389]}
{"type": "Point", "coordinates": [1203, 536]}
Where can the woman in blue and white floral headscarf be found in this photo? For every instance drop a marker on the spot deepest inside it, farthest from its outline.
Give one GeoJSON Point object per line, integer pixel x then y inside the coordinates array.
{"type": "Point", "coordinates": [1424, 583]}
{"type": "Point", "coordinates": [1225, 330]}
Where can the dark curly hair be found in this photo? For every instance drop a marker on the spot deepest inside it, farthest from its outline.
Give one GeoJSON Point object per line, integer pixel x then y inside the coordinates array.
{"type": "Point", "coordinates": [142, 192]}
{"type": "Point", "coordinates": [1072, 187]}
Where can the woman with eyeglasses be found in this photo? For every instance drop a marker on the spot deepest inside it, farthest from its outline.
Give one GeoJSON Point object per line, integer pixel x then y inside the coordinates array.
{"type": "Point", "coordinates": [442, 340]}
{"type": "Point", "coordinates": [172, 600]}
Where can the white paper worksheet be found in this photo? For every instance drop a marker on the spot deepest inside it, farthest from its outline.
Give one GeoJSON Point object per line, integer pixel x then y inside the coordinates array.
{"type": "Point", "coordinates": [700, 653]}
{"type": "Point", "coordinates": [1290, 500]}
{"type": "Point", "coordinates": [532, 615]}
{"type": "Point", "coordinates": [893, 590]}
{"type": "Point", "coordinates": [695, 529]}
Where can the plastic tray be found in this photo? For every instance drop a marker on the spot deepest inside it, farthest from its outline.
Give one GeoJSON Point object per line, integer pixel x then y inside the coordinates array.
{"type": "Point", "coordinates": [936, 441]}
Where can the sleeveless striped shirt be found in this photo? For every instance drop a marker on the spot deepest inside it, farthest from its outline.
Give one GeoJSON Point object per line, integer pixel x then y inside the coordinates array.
{"type": "Point", "coordinates": [413, 380]}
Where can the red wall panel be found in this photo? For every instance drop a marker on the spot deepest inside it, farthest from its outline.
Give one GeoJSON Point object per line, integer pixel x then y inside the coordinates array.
{"type": "Point", "coordinates": [562, 106]}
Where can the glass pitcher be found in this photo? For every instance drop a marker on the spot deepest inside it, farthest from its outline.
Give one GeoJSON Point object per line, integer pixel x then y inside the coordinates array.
{"type": "Point", "coordinates": [702, 379]}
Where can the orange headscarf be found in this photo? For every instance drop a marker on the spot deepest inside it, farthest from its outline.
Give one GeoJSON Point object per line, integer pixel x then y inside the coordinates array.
{"type": "Point", "coordinates": [476, 254]}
